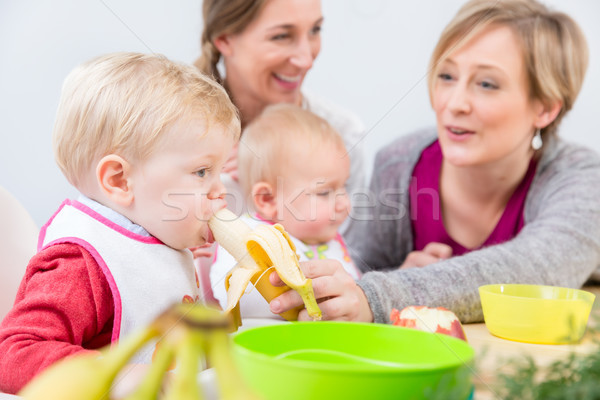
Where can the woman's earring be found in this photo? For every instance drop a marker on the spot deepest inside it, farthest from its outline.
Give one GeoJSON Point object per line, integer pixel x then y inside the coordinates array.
{"type": "Point", "coordinates": [536, 142]}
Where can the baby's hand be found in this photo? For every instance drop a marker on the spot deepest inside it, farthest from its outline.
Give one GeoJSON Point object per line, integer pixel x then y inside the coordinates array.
{"type": "Point", "coordinates": [432, 253]}
{"type": "Point", "coordinates": [206, 250]}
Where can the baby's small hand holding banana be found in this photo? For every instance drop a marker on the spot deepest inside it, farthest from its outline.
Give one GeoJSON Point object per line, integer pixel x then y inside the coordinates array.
{"type": "Point", "coordinates": [267, 246]}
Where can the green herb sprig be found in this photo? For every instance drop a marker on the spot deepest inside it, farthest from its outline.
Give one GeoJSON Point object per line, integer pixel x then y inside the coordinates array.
{"type": "Point", "coordinates": [575, 378]}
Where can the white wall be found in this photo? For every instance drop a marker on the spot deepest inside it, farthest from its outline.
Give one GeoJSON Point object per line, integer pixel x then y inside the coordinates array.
{"type": "Point", "coordinates": [374, 61]}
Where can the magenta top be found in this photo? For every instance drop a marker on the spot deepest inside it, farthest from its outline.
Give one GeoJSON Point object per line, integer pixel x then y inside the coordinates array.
{"type": "Point", "coordinates": [425, 207]}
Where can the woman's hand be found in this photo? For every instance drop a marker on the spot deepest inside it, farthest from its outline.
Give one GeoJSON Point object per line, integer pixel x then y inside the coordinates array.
{"type": "Point", "coordinates": [231, 165]}
{"type": "Point", "coordinates": [338, 295]}
{"type": "Point", "coordinates": [432, 253]}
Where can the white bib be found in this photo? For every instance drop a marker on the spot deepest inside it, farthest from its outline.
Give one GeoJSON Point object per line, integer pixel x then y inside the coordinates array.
{"type": "Point", "coordinates": [145, 275]}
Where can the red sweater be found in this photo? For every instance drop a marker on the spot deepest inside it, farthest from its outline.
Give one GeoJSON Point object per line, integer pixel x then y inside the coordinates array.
{"type": "Point", "coordinates": [64, 306]}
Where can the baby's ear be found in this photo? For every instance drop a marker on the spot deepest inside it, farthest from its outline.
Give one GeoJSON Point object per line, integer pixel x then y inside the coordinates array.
{"type": "Point", "coordinates": [264, 199]}
{"type": "Point", "coordinates": [113, 174]}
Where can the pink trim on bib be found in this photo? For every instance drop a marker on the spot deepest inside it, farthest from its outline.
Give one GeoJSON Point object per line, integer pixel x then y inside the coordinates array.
{"type": "Point", "coordinates": [44, 228]}
{"type": "Point", "coordinates": [103, 220]}
{"type": "Point", "coordinates": [85, 209]}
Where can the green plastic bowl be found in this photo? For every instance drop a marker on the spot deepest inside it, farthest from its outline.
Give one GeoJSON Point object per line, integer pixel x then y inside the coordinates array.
{"type": "Point", "coordinates": [335, 360]}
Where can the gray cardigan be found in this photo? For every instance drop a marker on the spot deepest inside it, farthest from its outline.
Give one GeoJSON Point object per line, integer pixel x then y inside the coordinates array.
{"type": "Point", "coordinates": [559, 244]}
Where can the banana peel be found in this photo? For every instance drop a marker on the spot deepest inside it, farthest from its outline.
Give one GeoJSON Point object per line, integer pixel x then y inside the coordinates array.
{"type": "Point", "coordinates": [256, 251]}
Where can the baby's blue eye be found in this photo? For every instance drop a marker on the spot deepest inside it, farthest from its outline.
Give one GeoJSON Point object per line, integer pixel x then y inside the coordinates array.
{"type": "Point", "coordinates": [201, 173]}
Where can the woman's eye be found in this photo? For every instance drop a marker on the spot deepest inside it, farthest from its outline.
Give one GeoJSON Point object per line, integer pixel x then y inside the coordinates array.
{"type": "Point", "coordinates": [488, 85]}
{"type": "Point", "coordinates": [316, 30]}
{"type": "Point", "coordinates": [323, 193]}
{"type": "Point", "coordinates": [281, 36]}
{"type": "Point", "coordinates": [201, 173]}
{"type": "Point", "coordinates": [445, 77]}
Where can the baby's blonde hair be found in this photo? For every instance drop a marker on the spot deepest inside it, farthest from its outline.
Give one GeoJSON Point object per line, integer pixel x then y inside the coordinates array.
{"type": "Point", "coordinates": [123, 103]}
{"type": "Point", "coordinates": [274, 137]}
{"type": "Point", "coordinates": [554, 49]}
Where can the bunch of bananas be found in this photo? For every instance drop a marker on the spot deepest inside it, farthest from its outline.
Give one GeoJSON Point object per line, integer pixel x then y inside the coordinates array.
{"type": "Point", "coordinates": [256, 251]}
{"type": "Point", "coordinates": [188, 335]}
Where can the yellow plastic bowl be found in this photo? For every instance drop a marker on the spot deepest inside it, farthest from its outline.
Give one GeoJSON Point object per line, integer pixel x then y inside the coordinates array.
{"type": "Point", "coordinates": [536, 313]}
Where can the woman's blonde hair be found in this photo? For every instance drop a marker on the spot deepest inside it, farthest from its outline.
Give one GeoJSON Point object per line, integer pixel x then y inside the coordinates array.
{"type": "Point", "coordinates": [123, 103]}
{"type": "Point", "coordinates": [555, 51]}
{"type": "Point", "coordinates": [223, 17]}
{"type": "Point", "coordinates": [275, 136]}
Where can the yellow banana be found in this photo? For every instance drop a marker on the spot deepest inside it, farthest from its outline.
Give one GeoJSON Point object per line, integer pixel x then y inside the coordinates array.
{"type": "Point", "coordinates": [220, 358]}
{"type": "Point", "coordinates": [152, 382]}
{"type": "Point", "coordinates": [186, 332]}
{"type": "Point", "coordinates": [184, 385]}
{"type": "Point", "coordinates": [86, 376]}
{"type": "Point", "coordinates": [208, 334]}
{"type": "Point", "coordinates": [255, 251]}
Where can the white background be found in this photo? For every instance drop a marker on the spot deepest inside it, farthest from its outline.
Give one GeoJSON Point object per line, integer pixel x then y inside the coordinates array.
{"type": "Point", "coordinates": [373, 62]}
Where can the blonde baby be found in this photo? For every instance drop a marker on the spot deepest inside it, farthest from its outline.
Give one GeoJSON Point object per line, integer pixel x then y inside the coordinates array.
{"type": "Point", "coordinates": [143, 139]}
{"type": "Point", "coordinates": [293, 169]}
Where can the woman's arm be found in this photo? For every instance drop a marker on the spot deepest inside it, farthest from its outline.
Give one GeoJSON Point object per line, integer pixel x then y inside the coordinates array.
{"type": "Point", "coordinates": [64, 306]}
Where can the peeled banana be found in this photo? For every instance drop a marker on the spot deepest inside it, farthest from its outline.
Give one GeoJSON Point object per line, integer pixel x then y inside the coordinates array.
{"type": "Point", "coordinates": [256, 251]}
{"type": "Point", "coordinates": [187, 332]}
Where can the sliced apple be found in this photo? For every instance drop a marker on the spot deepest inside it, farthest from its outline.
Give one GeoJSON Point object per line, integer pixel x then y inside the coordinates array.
{"type": "Point", "coordinates": [435, 320]}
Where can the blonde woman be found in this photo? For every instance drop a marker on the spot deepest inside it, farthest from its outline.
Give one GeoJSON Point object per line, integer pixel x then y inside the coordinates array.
{"type": "Point", "coordinates": [493, 187]}
{"type": "Point", "coordinates": [261, 51]}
